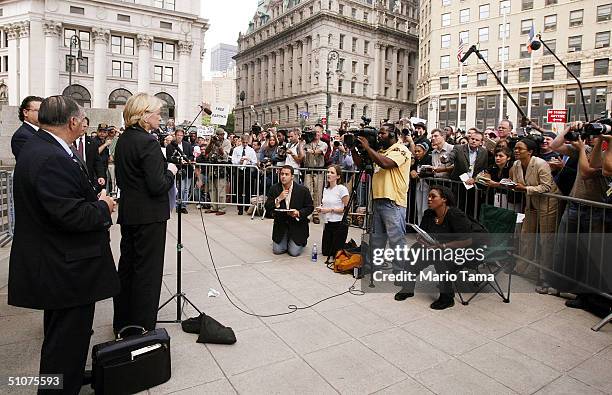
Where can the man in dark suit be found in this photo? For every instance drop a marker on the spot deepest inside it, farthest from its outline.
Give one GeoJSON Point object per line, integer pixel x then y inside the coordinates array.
{"type": "Point", "coordinates": [28, 114]}
{"type": "Point", "coordinates": [87, 150]}
{"type": "Point", "coordinates": [290, 232]}
{"type": "Point", "coordinates": [186, 175]}
{"type": "Point", "coordinates": [61, 260]}
{"type": "Point", "coordinates": [470, 158]}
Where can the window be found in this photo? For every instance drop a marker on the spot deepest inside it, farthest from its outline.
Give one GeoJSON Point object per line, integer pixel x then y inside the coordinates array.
{"type": "Point", "coordinates": [445, 41]}
{"type": "Point", "coordinates": [552, 44]}
{"type": "Point", "coordinates": [354, 13]}
{"type": "Point", "coordinates": [158, 50]}
{"type": "Point", "coordinates": [464, 15]}
{"type": "Point", "coordinates": [341, 9]}
{"type": "Point", "coordinates": [462, 81]}
{"type": "Point", "coordinates": [483, 11]}
{"type": "Point", "coordinates": [548, 72]}
{"type": "Point", "coordinates": [169, 51]}
{"type": "Point", "coordinates": [446, 19]}
{"type": "Point", "coordinates": [483, 34]}
{"type": "Point", "coordinates": [354, 67]}
{"type": "Point", "coordinates": [603, 12]}
{"type": "Point", "coordinates": [464, 36]}
{"type": "Point", "coordinates": [166, 4]}
{"type": "Point", "coordinates": [481, 79]}
{"type": "Point", "coordinates": [157, 73]}
{"type": "Point", "coordinates": [574, 44]}
{"type": "Point", "coordinates": [574, 67]}
{"type": "Point", "coordinates": [446, 3]}
{"type": "Point", "coordinates": [504, 6]}
{"type": "Point", "coordinates": [116, 44]}
{"type": "Point", "coordinates": [353, 85]}
{"type": "Point", "coordinates": [526, 5]}
{"type": "Point", "coordinates": [524, 74]}
{"type": "Point", "coordinates": [354, 45]}
{"type": "Point", "coordinates": [366, 44]}
{"type": "Point", "coordinates": [524, 52]}
{"type": "Point", "coordinates": [339, 86]}
{"type": "Point", "coordinates": [602, 39]}
{"type": "Point", "coordinates": [365, 68]}
{"type": "Point", "coordinates": [444, 62]}
{"type": "Point", "coordinates": [116, 66]}
{"type": "Point", "coordinates": [526, 26]}
{"type": "Point", "coordinates": [68, 33]}
{"type": "Point", "coordinates": [128, 46]}
{"type": "Point", "coordinates": [365, 89]}
{"type": "Point", "coordinates": [77, 10]}
{"type": "Point", "coordinates": [601, 66]}
{"type": "Point", "coordinates": [550, 23]}
{"type": "Point", "coordinates": [168, 74]}
{"type": "Point", "coordinates": [443, 83]}
{"type": "Point", "coordinates": [505, 79]}
{"type": "Point", "coordinates": [485, 54]}
{"type": "Point", "coordinates": [83, 64]}
{"type": "Point", "coordinates": [123, 18]}
{"type": "Point", "coordinates": [165, 25]}
{"type": "Point", "coordinates": [340, 64]}
{"type": "Point", "coordinates": [575, 18]}
{"type": "Point", "coordinates": [502, 53]}
{"type": "Point", "coordinates": [341, 41]}
{"type": "Point", "coordinates": [502, 30]}
{"type": "Point", "coordinates": [550, 2]}
{"type": "Point", "coordinates": [127, 69]}
{"type": "Point", "coordinates": [365, 16]}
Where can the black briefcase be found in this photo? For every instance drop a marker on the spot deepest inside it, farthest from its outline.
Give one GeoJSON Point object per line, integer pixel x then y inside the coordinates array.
{"type": "Point", "coordinates": [131, 364]}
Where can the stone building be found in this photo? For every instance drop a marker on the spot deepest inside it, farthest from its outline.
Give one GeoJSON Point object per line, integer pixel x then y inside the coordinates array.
{"type": "Point", "coordinates": [130, 46]}
{"type": "Point", "coordinates": [284, 58]}
{"type": "Point", "coordinates": [578, 31]}
{"type": "Point", "coordinates": [221, 88]}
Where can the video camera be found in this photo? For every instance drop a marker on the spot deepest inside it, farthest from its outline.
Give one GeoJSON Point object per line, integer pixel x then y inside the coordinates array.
{"type": "Point", "coordinates": [308, 136]}
{"type": "Point", "coordinates": [596, 128]}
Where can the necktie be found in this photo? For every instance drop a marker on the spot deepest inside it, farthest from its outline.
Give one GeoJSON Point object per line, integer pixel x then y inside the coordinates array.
{"type": "Point", "coordinates": [243, 151]}
{"type": "Point", "coordinates": [80, 147]}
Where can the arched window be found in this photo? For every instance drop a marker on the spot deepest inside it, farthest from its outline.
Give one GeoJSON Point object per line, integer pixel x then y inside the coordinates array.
{"type": "Point", "coordinates": [118, 98]}
{"type": "Point", "coordinates": [297, 113]}
{"type": "Point", "coordinates": [401, 114]}
{"type": "Point", "coordinates": [278, 114]}
{"type": "Point", "coordinates": [365, 111]}
{"type": "Point", "coordinates": [287, 109]}
{"type": "Point", "coordinates": [80, 94]}
{"type": "Point", "coordinates": [353, 107]}
{"type": "Point", "coordinates": [389, 114]}
{"type": "Point", "coordinates": [306, 107]}
{"type": "Point", "coordinates": [168, 108]}
{"type": "Point", "coordinates": [340, 105]}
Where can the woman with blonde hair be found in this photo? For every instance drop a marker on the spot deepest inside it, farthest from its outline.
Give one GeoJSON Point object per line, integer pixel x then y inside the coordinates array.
{"type": "Point", "coordinates": [144, 179]}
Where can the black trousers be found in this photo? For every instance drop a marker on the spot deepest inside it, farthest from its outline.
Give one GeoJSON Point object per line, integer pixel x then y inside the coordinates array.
{"type": "Point", "coordinates": [66, 344]}
{"type": "Point", "coordinates": [334, 237]}
{"type": "Point", "coordinates": [244, 186]}
{"type": "Point", "coordinates": [140, 274]}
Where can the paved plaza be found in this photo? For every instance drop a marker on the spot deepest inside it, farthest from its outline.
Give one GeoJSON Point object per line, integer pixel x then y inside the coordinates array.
{"type": "Point", "coordinates": [349, 344]}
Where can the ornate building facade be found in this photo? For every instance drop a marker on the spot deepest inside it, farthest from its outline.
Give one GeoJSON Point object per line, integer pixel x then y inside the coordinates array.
{"type": "Point", "coordinates": [369, 48]}
{"type": "Point", "coordinates": [153, 46]}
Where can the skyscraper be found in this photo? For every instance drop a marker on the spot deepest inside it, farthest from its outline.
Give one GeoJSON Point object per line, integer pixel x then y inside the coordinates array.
{"type": "Point", "coordinates": [221, 57]}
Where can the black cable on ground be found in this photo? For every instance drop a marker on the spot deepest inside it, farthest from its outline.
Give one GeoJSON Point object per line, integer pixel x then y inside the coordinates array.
{"type": "Point", "coordinates": [292, 308]}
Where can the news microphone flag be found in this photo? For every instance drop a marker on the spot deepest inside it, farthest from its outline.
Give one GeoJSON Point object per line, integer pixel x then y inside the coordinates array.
{"type": "Point", "coordinates": [460, 49]}
{"type": "Point", "coordinates": [530, 39]}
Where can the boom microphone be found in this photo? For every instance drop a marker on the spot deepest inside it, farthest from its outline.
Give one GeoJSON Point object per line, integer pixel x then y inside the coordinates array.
{"type": "Point", "coordinates": [468, 53]}
{"type": "Point", "coordinates": [206, 110]}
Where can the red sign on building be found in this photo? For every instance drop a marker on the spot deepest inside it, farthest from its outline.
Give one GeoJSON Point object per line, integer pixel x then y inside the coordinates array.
{"type": "Point", "coordinates": [324, 121]}
{"type": "Point", "coordinates": [557, 116]}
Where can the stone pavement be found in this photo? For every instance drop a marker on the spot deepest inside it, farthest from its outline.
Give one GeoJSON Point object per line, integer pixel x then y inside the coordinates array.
{"type": "Point", "coordinates": [349, 344]}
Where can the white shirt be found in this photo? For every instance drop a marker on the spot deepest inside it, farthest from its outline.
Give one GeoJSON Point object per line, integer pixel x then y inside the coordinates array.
{"type": "Point", "coordinates": [292, 149]}
{"type": "Point", "coordinates": [332, 198]}
{"type": "Point", "coordinates": [249, 154]}
{"type": "Point", "coordinates": [32, 125]}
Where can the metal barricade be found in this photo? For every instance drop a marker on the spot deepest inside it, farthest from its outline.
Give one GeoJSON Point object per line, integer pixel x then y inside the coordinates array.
{"type": "Point", "coordinates": [7, 208]}
{"type": "Point", "coordinates": [560, 237]}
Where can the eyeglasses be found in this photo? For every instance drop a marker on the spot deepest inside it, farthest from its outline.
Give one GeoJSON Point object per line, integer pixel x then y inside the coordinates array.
{"type": "Point", "coordinates": [32, 109]}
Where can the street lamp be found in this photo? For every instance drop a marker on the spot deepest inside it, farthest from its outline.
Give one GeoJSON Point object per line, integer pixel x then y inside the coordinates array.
{"type": "Point", "coordinates": [242, 97]}
{"type": "Point", "coordinates": [75, 42]}
{"type": "Point", "coordinates": [332, 55]}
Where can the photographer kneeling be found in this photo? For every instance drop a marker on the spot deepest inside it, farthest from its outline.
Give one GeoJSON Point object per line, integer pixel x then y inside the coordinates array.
{"type": "Point", "coordinates": [389, 188]}
{"type": "Point", "coordinates": [291, 204]}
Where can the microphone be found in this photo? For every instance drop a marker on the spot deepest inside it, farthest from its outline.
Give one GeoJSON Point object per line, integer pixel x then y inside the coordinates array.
{"type": "Point", "coordinates": [206, 110]}
{"type": "Point", "coordinates": [468, 53]}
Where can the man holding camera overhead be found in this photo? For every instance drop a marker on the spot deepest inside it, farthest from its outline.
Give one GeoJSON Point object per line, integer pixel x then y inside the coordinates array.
{"type": "Point", "coordinates": [389, 190]}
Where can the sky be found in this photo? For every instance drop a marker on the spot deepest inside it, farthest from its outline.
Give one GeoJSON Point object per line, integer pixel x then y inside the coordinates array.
{"type": "Point", "coordinates": [226, 19]}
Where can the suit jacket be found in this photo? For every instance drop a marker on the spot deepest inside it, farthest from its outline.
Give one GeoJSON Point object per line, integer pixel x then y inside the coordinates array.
{"type": "Point", "coordinates": [301, 200]}
{"type": "Point", "coordinates": [21, 135]}
{"type": "Point", "coordinates": [537, 179]}
{"type": "Point", "coordinates": [142, 177]}
{"type": "Point", "coordinates": [95, 166]}
{"type": "Point", "coordinates": [461, 161]}
{"type": "Point", "coordinates": [61, 255]}
{"type": "Point", "coordinates": [187, 149]}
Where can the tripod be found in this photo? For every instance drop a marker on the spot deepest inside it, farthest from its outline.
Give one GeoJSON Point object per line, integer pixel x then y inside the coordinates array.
{"type": "Point", "coordinates": [181, 298]}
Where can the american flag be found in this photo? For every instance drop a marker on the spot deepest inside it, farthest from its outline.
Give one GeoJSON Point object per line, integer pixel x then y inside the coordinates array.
{"type": "Point", "coordinates": [460, 49]}
{"type": "Point", "coordinates": [530, 39]}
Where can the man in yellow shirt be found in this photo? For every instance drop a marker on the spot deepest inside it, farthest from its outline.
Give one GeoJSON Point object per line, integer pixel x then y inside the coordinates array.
{"type": "Point", "coordinates": [389, 190]}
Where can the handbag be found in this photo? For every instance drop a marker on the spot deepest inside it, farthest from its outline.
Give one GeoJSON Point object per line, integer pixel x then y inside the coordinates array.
{"type": "Point", "coordinates": [131, 364]}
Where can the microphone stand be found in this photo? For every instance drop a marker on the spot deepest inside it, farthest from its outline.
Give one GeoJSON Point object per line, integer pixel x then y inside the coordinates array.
{"type": "Point", "coordinates": [181, 297]}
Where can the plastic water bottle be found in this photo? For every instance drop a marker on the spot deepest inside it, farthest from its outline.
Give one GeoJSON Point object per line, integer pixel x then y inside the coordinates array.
{"type": "Point", "coordinates": [314, 255]}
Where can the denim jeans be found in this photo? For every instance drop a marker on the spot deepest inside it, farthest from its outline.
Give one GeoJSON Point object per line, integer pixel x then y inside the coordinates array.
{"type": "Point", "coordinates": [185, 186]}
{"type": "Point", "coordinates": [286, 246]}
{"type": "Point", "coordinates": [389, 226]}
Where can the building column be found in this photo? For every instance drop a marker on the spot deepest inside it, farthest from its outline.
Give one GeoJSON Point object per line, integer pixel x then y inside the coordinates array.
{"type": "Point", "coordinates": [24, 59]}
{"type": "Point", "coordinates": [184, 48]}
{"type": "Point", "coordinates": [470, 109]}
{"type": "Point", "coordinates": [405, 77]}
{"type": "Point", "coordinates": [379, 58]}
{"type": "Point", "coordinates": [144, 43]}
{"type": "Point", "coordinates": [393, 73]}
{"type": "Point", "coordinates": [242, 76]}
{"type": "Point", "coordinates": [258, 77]}
{"type": "Point", "coordinates": [100, 38]}
{"type": "Point", "coordinates": [295, 86]}
{"type": "Point", "coordinates": [277, 75]}
{"type": "Point", "coordinates": [252, 82]}
{"type": "Point", "coordinates": [286, 72]}
{"type": "Point", "coordinates": [306, 59]}
{"type": "Point", "coordinates": [270, 79]}
{"type": "Point", "coordinates": [12, 32]}
{"type": "Point", "coordinates": [53, 32]}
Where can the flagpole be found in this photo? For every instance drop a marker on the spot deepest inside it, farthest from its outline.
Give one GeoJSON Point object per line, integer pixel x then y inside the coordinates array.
{"type": "Point", "coordinates": [459, 104]}
{"type": "Point", "coordinates": [503, 64]}
{"type": "Point", "coordinates": [530, 85]}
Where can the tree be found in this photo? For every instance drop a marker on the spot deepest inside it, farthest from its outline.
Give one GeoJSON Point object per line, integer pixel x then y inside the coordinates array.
{"type": "Point", "coordinates": [231, 119]}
